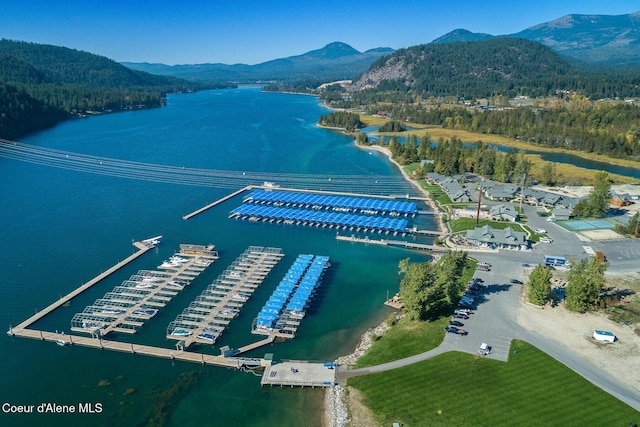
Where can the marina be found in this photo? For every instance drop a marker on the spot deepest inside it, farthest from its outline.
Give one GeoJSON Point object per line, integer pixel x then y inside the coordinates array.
{"type": "Point", "coordinates": [390, 242]}
{"type": "Point", "coordinates": [128, 306]}
{"type": "Point", "coordinates": [209, 314]}
{"type": "Point", "coordinates": [282, 313]}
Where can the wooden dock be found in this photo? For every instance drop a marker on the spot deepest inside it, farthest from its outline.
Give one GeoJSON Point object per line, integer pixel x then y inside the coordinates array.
{"type": "Point", "coordinates": [387, 242]}
{"type": "Point", "coordinates": [142, 248]}
{"type": "Point", "coordinates": [217, 202]}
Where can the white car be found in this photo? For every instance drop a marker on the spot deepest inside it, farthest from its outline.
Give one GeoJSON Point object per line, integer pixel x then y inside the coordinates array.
{"type": "Point", "coordinates": [545, 240]}
{"type": "Point", "coordinates": [540, 231]}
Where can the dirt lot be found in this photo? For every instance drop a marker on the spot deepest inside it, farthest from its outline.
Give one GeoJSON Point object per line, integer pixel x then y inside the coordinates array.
{"type": "Point", "coordinates": [574, 330]}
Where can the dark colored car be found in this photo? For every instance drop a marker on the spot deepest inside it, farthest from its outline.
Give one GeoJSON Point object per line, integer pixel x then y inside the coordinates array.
{"type": "Point", "coordinates": [454, 330]}
{"type": "Point", "coordinates": [516, 281]}
{"type": "Point", "coordinates": [455, 323]}
{"type": "Point", "coordinates": [466, 305]}
{"type": "Point", "coordinates": [460, 316]}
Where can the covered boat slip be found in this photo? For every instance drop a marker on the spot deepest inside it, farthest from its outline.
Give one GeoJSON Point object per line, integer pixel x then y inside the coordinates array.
{"type": "Point", "coordinates": [129, 305]}
{"type": "Point", "coordinates": [369, 206]}
{"type": "Point", "coordinates": [209, 314]}
{"type": "Point", "coordinates": [323, 219]}
{"type": "Point", "coordinates": [282, 313]}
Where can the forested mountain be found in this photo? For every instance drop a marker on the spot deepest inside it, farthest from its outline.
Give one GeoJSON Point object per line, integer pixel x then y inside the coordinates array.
{"type": "Point", "coordinates": [333, 62]}
{"type": "Point", "coordinates": [499, 66]}
{"type": "Point", "coordinates": [41, 85]}
{"type": "Point", "coordinates": [606, 40]}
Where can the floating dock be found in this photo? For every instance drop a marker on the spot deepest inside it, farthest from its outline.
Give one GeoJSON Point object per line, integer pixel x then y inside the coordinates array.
{"type": "Point", "coordinates": [128, 306]}
{"type": "Point", "coordinates": [282, 313]}
{"type": "Point", "coordinates": [389, 242]}
{"type": "Point", "coordinates": [207, 317]}
{"type": "Point", "coordinates": [300, 374]}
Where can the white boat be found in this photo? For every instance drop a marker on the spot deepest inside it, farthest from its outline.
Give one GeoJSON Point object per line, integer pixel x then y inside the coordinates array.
{"type": "Point", "coordinates": [181, 333]}
{"type": "Point", "coordinates": [170, 264]}
{"type": "Point", "coordinates": [176, 284]}
{"type": "Point", "coordinates": [207, 337]}
{"type": "Point", "coordinates": [240, 296]}
{"type": "Point", "coordinates": [230, 312]}
{"type": "Point", "coordinates": [178, 259]}
{"type": "Point", "coordinates": [146, 312]}
{"type": "Point", "coordinates": [111, 311]}
{"type": "Point", "coordinates": [62, 343]}
{"type": "Point", "coordinates": [93, 325]}
{"type": "Point", "coordinates": [144, 285]}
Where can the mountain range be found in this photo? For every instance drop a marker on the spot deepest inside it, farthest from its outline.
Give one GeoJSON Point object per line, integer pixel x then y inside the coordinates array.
{"type": "Point", "coordinates": [611, 41]}
{"type": "Point", "coordinates": [332, 62]}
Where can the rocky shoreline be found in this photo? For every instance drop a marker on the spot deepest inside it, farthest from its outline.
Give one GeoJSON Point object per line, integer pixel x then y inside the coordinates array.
{"type": "Point", "coordinates": [336, 411]}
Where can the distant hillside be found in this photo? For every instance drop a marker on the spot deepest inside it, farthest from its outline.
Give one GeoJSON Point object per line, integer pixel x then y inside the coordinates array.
{"type": "Point", "coordinates": [335, 61]}
{"type": "Point", "coordinates": [469, 69]}
{"type": "Point", "coordinates": [604, 40]}
{"type": "Point", "coordinates": [41, 85]}
{"type": "Point", "coordinates": [462, 35]}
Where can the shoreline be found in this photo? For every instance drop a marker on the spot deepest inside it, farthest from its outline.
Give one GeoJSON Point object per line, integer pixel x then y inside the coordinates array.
{"type": "Point", "coordinates": [336, 412]}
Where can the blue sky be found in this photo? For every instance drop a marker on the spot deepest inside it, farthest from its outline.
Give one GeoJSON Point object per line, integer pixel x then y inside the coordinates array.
{"type": "Point", "coordinates": [252, 31]}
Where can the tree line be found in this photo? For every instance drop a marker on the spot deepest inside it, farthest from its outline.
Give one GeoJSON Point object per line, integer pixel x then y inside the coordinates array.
{"type": "Point", "coordinates": [427, 288]}
{"type": "Point", "coordinates": [341, 119]}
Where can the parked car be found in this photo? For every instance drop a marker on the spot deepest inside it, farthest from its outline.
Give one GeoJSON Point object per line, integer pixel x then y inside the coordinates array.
{"type": "Point", "coordinates": [540, 231]}
{"type": "Point", "coordinates": [546, 240]}
{"type": "Point", "coordinates": [466, 305]}
{"type": "Point", "coordinates": [516, 281]}
{"type": "Point", "coordinates": [455, 323]}
{"type": "Point", "coordinates": [484, 349]}
{"type": "Point", "coordinates": [454, 330]}
{"type": "Point", "coordinates": [464, 311]}
{"type": "Point", "coordinates": [460, 316]}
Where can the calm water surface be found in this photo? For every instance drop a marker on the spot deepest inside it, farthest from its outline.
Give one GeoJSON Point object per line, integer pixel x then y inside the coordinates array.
{"type": "Point", "coordinates": [61, 228]}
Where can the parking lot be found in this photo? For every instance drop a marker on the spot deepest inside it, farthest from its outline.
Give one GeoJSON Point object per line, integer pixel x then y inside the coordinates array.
{"type": "Point", "coordinates": [493, 321]}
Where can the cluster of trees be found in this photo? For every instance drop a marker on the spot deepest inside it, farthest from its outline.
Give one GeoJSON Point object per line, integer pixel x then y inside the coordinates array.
{"type": "Point", "coordinates": [585, 284]}
{"type": "Point", "coordinates": [341, 119]}
{"type": "Point", "coordinates": [41, 85]}
{"type": "Point", "coordinates": [604, 128]}
{"type": "Point", "coordinates": [392, 126]}
{"type": "Point", "coordinates": [426, 287]}
{"type": "Point", "coordinates": [597, 204]}
{"type": "Point", "coordinates": [632, 228]}
{"type": "Point", "coordinates": [540, 285]}
{"type": "Point", "coordinates": [452, 157]}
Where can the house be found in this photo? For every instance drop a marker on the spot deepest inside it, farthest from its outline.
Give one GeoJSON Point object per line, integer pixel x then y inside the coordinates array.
{"type": "Point", "coordinates": [496, 238]}
{"type": "Point", "coordinates": [504, 213]}
{"type": "Point", "coordinates": [560, 213]}
{"type": "Point", "coordinates": [501, 192]}
{"type": "Point", "coordinates": [620, 200]}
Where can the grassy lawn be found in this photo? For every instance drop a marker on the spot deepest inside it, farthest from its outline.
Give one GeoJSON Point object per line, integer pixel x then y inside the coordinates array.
{"type": "Point", "coordinates": [403, 340]}
{"type": "Point", "coordinates": [463, 389]}
{"type": "Point", "coordinates": [462, 224]}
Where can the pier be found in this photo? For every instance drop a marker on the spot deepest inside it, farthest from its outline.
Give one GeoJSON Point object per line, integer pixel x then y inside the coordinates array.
{"type": "Point", "coordinates": [300, 374]}
{"type": "Point", "coordinates": [208, 316]}
{"type": "Point", "coordinates": [217, 202]}
{"type": "Point", "coordinates": [388, 242]}
{"type": "Point", "coordinates": [142, 248]}
{"type": "Point", "coordinates": [128, 306]}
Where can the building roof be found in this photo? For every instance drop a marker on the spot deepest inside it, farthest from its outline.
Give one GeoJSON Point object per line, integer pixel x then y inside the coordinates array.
{"type": "Point", "coordinates": [488, 234]}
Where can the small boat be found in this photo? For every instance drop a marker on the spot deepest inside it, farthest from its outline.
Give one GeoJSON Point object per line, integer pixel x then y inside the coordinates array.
{"type": "Point", "coordinates": [181, 333]}
{"type": "Point", "coordinates": [144, 285]}
{"type": "Point", "coordinates": [169, 264]}
{"type": "Point", "coordinates": [207, 337]}
{"type": "Point", "coordinates": [241, 296]}
{"type": "Point", "coordinates": [93, 325]}
{"type": "Point", "coordinates": [111, 311]}
{"type": "Point", "coordinates": [177, 284]}
{"type": "Point", "coordinates": [147, 312]}
{"type": "Point", "coordinates": [230, 312]}
{"type": "Point", "coordinates": [178, 259]}
{"type": "Point", "coordinates": [62, 343]}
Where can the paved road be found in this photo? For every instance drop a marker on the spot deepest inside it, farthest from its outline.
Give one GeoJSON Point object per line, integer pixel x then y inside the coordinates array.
{"type": "Point", "coordinates": [495, 320]}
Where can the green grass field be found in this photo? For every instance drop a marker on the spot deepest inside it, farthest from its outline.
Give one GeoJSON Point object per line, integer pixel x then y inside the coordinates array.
{"type": "Point", "coordinates": [458, 389]}
{"type": "Point", "coordinates": [462, 224]}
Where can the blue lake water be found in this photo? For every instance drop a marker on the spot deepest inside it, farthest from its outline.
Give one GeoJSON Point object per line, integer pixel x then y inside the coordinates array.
{"type": "Point", "coordinates": [62, 227]}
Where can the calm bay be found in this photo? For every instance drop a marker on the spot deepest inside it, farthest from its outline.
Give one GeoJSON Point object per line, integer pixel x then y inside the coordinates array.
{"type": "Point", "coordinates": [63, 227]}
